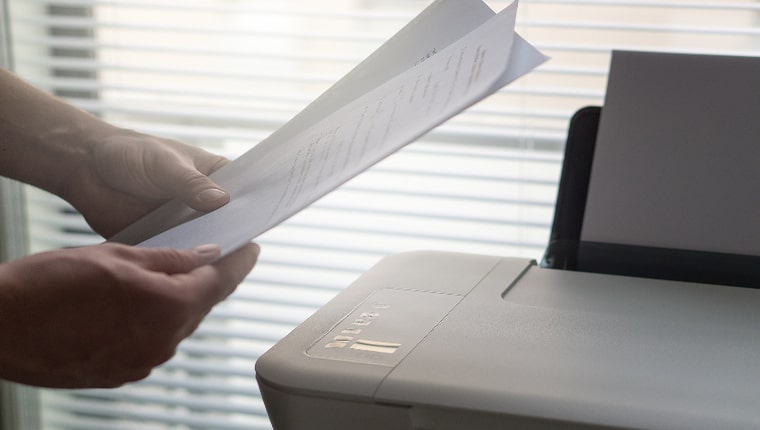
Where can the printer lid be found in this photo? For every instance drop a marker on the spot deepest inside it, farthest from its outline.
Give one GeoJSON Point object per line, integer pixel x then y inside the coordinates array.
{"type": "Point", "coordinates": [661, 182]}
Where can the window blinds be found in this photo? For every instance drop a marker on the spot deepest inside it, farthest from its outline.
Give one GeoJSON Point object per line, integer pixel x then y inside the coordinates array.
{"type": "Point", "coordinates": [224, 74]}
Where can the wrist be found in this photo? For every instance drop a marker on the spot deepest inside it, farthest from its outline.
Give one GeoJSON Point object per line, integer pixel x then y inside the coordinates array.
{"type": "Point", "coordinates": [55, 157]}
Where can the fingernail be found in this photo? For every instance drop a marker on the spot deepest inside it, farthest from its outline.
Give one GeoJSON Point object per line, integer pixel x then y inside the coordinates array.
{"type": "Point", "coordinates": [209, 250]}
{"type": "Point", "coordinates": [212, 195]}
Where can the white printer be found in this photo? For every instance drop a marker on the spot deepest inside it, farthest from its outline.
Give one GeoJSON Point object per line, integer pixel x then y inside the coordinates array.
{"type": "Point", "coordinates": [643, 314]}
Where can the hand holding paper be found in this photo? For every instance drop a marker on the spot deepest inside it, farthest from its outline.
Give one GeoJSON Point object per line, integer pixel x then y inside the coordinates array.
{"type": "Point", "coordinates": [450, 57]}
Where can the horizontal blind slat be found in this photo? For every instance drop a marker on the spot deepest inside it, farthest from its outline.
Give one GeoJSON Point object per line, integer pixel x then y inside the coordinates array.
{"type": "Point", "coordinates": [170, 417]}
{"type": "Point", "coordinates": [197, 401]}
{"type": "Point", "coordinates": [686, 5]}
{"type": "Point", "coordinates": [649, 28]}
{"type": "Point", "coordinates": [92, 24]}
{"type": "Point", "coordinates": [251, 7]}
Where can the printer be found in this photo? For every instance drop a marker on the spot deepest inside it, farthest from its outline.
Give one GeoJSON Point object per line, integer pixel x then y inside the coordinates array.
{"type": "Point", "coordinates": [643, 314]}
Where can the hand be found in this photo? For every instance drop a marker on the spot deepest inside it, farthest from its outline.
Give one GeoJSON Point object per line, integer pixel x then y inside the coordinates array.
{"type": "Point", "coordinates": [104, 315]}
{"type": "Point", "coordinates": [111, 175]}
{"type": "Point", "coordinates": [128, 174]}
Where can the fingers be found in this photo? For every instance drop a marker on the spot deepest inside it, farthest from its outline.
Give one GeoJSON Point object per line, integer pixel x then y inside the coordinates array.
{"type": "Point", "coordinates": [186, 284]}
{"type": "Point", "coordinates": [239, 263]}
{"type": "Point", "coordinates": [168, 260]}
{"type": "Point", "coordinates": [199, 272]}
{"type": "Point", "coordinates": [200, 276]}
{"type": "Point", "coordinates": [213, 283]}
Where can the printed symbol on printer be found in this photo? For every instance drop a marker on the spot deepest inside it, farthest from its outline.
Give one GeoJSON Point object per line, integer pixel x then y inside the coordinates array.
{"type": "Point", "coordinates": [339, 341]}
{"type": "Point", "coordinates": [365, 318]}
{"type": "Point", "coordinates": [376, 346]}
{"type": "Point", "coordinates": [336, 345]}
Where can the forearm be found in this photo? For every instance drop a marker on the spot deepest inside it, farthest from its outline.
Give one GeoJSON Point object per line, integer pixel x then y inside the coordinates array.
{"type": "Point", "coordinates": [43, 140]}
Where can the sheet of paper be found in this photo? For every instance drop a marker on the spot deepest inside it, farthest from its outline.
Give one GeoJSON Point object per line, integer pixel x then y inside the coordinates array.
{"type": "Point", "coordinates": [365, 117]}
{"type": "Point", "coordinates": [676, 158]}
{"type": "Point", "coordinates": [435, 28]}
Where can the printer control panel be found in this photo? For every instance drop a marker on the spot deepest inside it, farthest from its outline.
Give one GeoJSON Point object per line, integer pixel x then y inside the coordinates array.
{"type": "Point", "coordinates": [385, 327]}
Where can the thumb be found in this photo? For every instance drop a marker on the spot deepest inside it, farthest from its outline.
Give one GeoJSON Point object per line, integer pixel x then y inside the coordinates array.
{"type": "Point", "coordinates": [195, 189]}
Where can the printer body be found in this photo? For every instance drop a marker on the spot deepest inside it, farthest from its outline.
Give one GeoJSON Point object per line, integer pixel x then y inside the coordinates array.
{"type": "Point", "coordinates": [447, 341]}
{"type": "Point", "coordinates": [643, 314]}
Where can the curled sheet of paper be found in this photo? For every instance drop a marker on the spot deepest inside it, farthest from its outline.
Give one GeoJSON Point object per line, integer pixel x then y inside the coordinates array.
{"type": "Point", "coordinates": [454, 54]}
